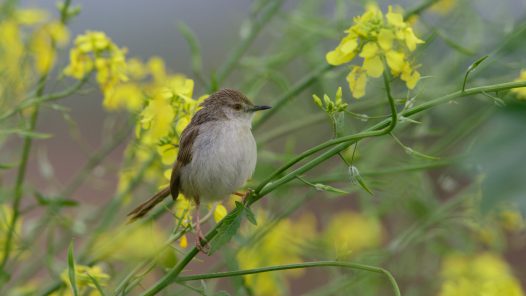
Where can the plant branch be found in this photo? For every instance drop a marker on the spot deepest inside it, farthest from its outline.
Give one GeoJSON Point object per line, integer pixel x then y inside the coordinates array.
{"type": "Point", "coordinates": [20, 178]}
{"type": "Point", "coordinates": [350, 265]}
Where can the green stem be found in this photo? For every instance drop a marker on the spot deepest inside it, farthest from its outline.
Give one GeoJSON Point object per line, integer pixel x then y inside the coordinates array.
{"type": "Point", "coordinates": [289, 95]}
{"type": "Point", "coordinates": [20, 178]}
{"type": "Point", "coordinates": [418, 9]}
{"type": "Point", "coordinates": [350, 265]}
{"type": "Point", "coordinates": [38, 99]}
{"type": "Point", "coordinates": [255, 28]}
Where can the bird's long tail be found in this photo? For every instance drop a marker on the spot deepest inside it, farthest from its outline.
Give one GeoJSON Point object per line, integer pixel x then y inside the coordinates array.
{"type": "Point", "coordinates": [146, 206]}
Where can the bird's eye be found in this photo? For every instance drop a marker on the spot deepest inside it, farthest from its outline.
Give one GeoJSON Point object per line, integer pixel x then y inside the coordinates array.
{"type": "Point", "coordinates": [237, 107]}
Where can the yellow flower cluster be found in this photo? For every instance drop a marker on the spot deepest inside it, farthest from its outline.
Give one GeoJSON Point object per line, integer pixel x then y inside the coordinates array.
{"type": "Point", "coordinates": [82, 276]}
{"type": "Point", "coordinates": [521, 91]}
{"type": "Point", "coordinates": [94, 51]}
{"type": "Point", "coordinates": [379, 39]}
{"type": "Point", "coordinates": [484, 274]}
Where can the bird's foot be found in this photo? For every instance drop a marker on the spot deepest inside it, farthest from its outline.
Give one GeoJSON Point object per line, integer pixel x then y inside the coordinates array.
{"type": "Point", "coordinates": [244, 196]}
{"type": "Point", "coordinates": [200, 241]}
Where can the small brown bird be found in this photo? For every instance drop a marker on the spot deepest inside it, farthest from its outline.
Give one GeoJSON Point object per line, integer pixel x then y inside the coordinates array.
{"type": "Point", "coordinates": [217, 154]}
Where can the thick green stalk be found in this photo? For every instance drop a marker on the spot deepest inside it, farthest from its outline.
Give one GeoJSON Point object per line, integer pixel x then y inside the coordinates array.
{"type": "Point", "coordinates": [350, 265]}
{"type": "Point", "coordinates": [20, 178]}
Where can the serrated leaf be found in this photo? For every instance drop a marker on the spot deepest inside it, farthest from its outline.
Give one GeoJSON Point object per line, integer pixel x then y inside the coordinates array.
{"type": "Point", "coordinates": [250, 216]}
{"type": "Point", "coordinates": [71, 270]}
{"type": "Point", "coordinates": [228, 228]}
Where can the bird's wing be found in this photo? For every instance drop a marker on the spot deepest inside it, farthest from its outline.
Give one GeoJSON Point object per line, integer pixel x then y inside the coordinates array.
{"type": "Point", "coordinates": [183, 158]}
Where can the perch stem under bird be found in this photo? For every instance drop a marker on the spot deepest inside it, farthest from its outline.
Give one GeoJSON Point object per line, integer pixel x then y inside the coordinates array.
{"type": "Point", "coordinates": [217, 155]}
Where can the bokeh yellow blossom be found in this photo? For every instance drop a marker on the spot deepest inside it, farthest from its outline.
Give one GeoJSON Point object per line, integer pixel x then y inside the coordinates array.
{"type": "Point", "coordinates": [128, 244]}
{"type": "Point", "coordinates": [484, 274]}
{"type": "Point", "coordinates": [521, 91]}
{"type": "Point", "coordinates": [44, 44]}
{"type": "Point", "coordinates": [278, 246]}
{"type": "Point", "coordinates": [348, 233]}
{"type": "Point", "coordinates": [378, 39]}
{"type": "Point", "coordinates": [82, 276]}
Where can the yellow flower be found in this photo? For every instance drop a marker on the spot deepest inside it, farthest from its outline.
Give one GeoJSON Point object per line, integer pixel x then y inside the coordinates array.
{"type": "Point", "coordinates": [350, 233]}
{"type": "Point", "coordinates": [95, 51]}
{"type": "Point", "coordinates": [82, 276]}
{"type": "Point", "coordinates": [219, 212]}
{"type": "Point", "coordinates": [278, 246]}
{"type": "Point", "coordinates": [127, 96]}
{"type": "Point", "coordinates": [44, 42]}
{"type": "Point", "coordinates": [521, 91]}
{"type": "Point", "coordinates": [30, 16]}
{"type": "Point", "coordinates": [484, 274]}
{"type": "Point", "coordinates": [377, 38]}
{"type": "Point", "coordinates": [511, 220]}
{"type": "Point", "coordinates": [357, 80]}
{"type": "Point", "coordinates": [344, 52]}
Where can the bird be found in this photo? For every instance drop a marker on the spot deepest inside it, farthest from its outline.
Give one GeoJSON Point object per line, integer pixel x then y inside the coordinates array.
{"type": "Point", "coordinates": [217, 155]}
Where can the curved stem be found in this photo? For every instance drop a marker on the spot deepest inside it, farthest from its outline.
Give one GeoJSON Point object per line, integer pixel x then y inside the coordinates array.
{"type": "Point", "coordinates": [350, 265]}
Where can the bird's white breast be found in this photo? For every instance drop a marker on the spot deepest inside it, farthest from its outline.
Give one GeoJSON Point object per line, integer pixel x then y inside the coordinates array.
{"type": "Point", "coordinates": [223, 159]}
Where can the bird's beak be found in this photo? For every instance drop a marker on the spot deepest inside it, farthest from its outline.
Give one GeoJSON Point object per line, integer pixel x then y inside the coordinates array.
{"type": "Point", "coordinates": [259, 108]}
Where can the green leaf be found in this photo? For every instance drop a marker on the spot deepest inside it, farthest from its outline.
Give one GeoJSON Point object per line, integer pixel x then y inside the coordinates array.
{"type": "Point", "coordinates": [6, 166]}
{"type": "Point", "coordinates": [323, 187]}
{"type": "Point", "coordinates": [97, 285]}
{"type": "Point", "coordinates": [250, 216]}
{"type": "Point", "coordinates": [71, 270]}
{"type": "Point", "coordinates": [228, 228]}
{"type": "Point", "coordinates": [60, 202]}
{"type": "Point", "coordinates": [222, 293]}
{"type": "Point", "coordinates": [412, 152]}
{"type": "Point", "coordinates": [27, 134]}
{"type": "Point", "coordinates": [471, 68]}
{"type": "Point", "coordinates": [357, 179]}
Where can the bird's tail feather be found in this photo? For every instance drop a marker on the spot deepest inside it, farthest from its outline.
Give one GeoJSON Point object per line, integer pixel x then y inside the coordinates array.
{"type": "Point", "coordinates": [146, 206]}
